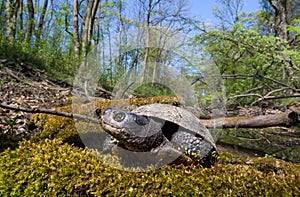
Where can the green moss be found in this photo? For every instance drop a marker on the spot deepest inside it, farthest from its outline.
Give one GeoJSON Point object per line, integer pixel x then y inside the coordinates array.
{"type": "Point", "coordinates": [52, 127]}
{"type": "Point", "coordinates": [52, 168]}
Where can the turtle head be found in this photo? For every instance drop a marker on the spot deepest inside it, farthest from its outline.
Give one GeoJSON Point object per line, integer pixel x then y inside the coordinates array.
{"type": "Point", "coordinates": [123, 124]}
{"type": "Point", "coordinates": [129, 128]}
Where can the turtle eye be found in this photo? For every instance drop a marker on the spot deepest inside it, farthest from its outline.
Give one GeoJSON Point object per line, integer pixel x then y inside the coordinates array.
{"type": "Point", "coordinates": [105, 111]}
{"type": "Point", "coordinates": [119, 116]}
{"type": "Point", "coordinates": [142, 120]}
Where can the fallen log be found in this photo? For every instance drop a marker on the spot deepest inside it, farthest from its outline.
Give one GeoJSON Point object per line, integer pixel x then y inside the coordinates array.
{"type": "Point", "coordinates": [287, 118]}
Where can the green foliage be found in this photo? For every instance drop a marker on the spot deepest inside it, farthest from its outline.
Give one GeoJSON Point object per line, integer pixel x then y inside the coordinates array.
{"type": "Point", "coordinates": [295, 27]}
{"type": "Point", "coordinates": [252, 62]}
{"type": "Point", "coordinates": [270, 156]}
{"type": "Point", "coordinates": [51, 168]}
{"type": "Point", "coordinates": [46, 56]}
{"type": "Point", "coordinates": [11, 51]}
{"type": "Point", "coordinates": [153, 89]}
{"type": "Point", "coordinates": [248, 55]}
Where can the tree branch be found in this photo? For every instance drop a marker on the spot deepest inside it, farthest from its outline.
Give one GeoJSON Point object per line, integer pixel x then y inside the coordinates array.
{"type": "Point", "coordinates": [276, 97]}
{"type": "Point", "coordinates": [52, 112]}
{"type": "Point", "coordinates": [279, 82]}
{"type": "Point", "coordinates": [245, 95]}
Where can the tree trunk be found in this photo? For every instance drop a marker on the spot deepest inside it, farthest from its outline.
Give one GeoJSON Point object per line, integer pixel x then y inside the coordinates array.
{"type": "Point", "coordinates": [41, 22]}
{"type": "Point", "coordinates": [280, 23]}
{"type": "Point", "coordinates": [149, 10]}
{"type": "Point", "coordinates": [30, 21]}
{"type": "Point", "coordinates": [12, 8]}
{"type": "Point", "coordinates": [76, 29]}
{"type": "Point", "coordinates": [21, 18]}
{"type": "Point", "coordinates": [91, 11]}
{"type": "Point", "coordinates": [9, 23]}
{"type": "Point", "coordinates": [120, 35]}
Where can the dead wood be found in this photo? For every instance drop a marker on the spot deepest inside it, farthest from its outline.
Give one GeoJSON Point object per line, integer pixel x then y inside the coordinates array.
{"type": "Point", "coordinates": [287, 118]}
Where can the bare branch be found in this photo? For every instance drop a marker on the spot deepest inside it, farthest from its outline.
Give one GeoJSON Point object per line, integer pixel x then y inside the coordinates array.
{"type": "Point", "coordinates": [276, 97]}
{"type": "Point", "coordinates": [279, 82]}
{"type": "Point", "coordinates": [242, 76]}
{"type": "Point", "coordinates": [245, 95]}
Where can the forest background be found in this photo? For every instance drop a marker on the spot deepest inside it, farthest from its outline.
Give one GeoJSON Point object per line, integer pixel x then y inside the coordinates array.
{"type": "Point", "coordinates": [256, 53]}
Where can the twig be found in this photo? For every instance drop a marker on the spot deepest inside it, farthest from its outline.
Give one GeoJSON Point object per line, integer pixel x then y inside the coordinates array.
{"type": "Point", "coordinates": [252, 90]}
{"type": "Point", "coordinates": [277, 90]}
{"type": "Point", "coordinates": [52, 112]}
{"type": "Point", "coordinates": [246, 95]}
{"type": "Point", "coordinates": [276, 97]}
{"type": "Point", "coordinates": [279, 82]}
{"type": "Point", "coordinates": [237, 76]}
{"type": "Point", "coordinates": [10, 73]}
{"type": "Point", "coordinates": [123, 93]}
{"type": "Point", "coordinates": [105, 91]}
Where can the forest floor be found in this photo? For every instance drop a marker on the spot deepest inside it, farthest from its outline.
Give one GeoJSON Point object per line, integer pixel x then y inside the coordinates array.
{"type": "Point", "coordinates": [22, 85]}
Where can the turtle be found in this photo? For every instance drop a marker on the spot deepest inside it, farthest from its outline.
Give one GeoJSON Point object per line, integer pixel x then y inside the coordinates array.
{"type": "Point", "coordinates": [165, 133]}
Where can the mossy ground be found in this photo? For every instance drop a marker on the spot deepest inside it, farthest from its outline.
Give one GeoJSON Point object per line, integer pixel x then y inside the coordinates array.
{"type": "Point", "coordinates": [53, 168]}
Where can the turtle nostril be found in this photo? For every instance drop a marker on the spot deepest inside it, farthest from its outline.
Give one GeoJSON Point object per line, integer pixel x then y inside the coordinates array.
{"type": "Point", "coordinates": [119, 116]}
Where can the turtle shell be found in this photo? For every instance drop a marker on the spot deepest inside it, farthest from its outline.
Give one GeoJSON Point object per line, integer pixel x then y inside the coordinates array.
{"type": "Point", "coordinates": [178, 116]}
